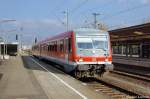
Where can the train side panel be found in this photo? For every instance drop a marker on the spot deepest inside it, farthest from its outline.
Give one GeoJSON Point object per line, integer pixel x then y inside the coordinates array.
{"type": "Point", "coordinates": [60, 50]}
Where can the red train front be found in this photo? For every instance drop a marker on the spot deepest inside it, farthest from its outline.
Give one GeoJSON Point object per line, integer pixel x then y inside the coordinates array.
{"type": "Point", "coordinates": [82, 51]}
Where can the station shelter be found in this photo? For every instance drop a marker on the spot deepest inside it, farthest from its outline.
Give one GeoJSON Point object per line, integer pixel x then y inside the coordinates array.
{"type": "Point", "coordinates": [10, 49]}
{"type": "Point", "coordinates": [131, 41]}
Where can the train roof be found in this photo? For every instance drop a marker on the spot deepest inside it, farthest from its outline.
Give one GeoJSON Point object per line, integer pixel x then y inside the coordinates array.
{"type": "Point", "coordinates": [79, 30]}
{"type": "Point", "coordinates": [88, 29]}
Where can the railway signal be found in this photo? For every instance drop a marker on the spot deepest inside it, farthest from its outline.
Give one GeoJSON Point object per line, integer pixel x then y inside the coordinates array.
{"type": "Point", "coordinates": [16, 36]}
{"type": "Point", "coordinates": [35, 41]}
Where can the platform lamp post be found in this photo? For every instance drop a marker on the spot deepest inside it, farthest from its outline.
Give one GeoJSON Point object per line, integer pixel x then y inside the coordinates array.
{"type": "Point", "coordinates": [67, 19]}
{"type": "Point", "coordinates": [35, 40]}
{"type": "Point", "coordinates": [21, 29]}
{"type": "Point", "coordinates": [5, 21]}
{"type": "Point", "coordinates": [1, 40]}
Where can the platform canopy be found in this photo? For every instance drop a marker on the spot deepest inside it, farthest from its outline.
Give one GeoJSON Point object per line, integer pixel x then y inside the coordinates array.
{"type": "Point", "coordinates": [137, 32]}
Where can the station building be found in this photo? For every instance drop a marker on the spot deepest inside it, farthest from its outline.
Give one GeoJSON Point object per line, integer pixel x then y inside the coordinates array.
{"type": "Point", "coordinates": [131, 41]}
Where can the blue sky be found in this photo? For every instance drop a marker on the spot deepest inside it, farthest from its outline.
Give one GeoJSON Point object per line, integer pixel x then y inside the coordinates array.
{"type": "Point", "coordinates": [43, 18]}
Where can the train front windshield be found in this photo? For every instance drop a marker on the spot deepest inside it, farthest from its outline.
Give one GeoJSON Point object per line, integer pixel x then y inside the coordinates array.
{"type": "Point", "coordinates": [92, 45]}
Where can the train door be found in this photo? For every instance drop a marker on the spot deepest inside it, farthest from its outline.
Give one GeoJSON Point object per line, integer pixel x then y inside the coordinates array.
{"type": "Point", "coordinates": [66, 50]}
{"type": "Point", "coordinates": [69, 49]}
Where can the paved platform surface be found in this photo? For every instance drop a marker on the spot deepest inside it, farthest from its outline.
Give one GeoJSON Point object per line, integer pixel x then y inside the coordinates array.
{"type": "Point", "coordinates": [17, 82]}
{"type": "Point", "coordinates": [23, 78]}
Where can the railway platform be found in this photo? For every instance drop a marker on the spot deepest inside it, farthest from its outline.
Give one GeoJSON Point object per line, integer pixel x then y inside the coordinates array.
{"type": "Point", "coordinates": [16, 82]}
{"type": "Point", "coordinates": [141, 62]}
{"type": "Point", "coordinates": [133, 65]}
{"type": "Point", "coordinates": [24, 77]}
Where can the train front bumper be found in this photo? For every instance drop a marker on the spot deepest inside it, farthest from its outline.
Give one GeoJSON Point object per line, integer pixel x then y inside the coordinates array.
{"type": "Point", "coordinates": [105, 62]}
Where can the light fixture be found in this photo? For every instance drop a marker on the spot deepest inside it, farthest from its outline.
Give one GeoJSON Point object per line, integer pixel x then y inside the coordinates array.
{"type": "Point", "coordinates": [138, 33]}
{"type": "Point", "coordinates": [114, 36]}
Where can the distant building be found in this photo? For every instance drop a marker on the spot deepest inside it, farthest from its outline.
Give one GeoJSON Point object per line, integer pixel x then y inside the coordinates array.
{"type": "Point", "coordinates": [9, 48]}
{"type": "Point", "coordinates": [26, 47]}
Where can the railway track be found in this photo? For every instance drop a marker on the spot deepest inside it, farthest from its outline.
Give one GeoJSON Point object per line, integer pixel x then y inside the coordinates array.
{"type": "Point", "coordinates": [113, 87]}
{"type": "Point", "coordinates": [145, 78]}
{"type": "Point", "coordinates": [132, 69]}
{"type": "Point", "coordinates": [137, 85]}
{"type": "Point", "coordinates": [106, 88]}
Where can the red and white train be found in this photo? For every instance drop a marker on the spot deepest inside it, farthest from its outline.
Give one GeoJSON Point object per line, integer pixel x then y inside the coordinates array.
{"type": "Point", "coordinates": [82, 51]}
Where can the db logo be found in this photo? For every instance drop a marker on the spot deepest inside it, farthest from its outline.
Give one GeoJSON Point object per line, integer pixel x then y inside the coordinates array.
{"type": "Point", "coordinates": [93, 59]}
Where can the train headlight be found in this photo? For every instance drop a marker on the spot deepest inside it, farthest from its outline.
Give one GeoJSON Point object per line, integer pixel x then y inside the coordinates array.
{"type": "Point", "coordinates": [80, 60]}
{"type": "Point", "coordinates": [93, 52]}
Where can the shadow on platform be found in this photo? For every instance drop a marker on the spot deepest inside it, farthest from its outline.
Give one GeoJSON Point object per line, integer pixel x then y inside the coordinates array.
{"type": "Point", "coordinates": [47, 64]}
{"type": "Point", "coordinates": [1, 75]}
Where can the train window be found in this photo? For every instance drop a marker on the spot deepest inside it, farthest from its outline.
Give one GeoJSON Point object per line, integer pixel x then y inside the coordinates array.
{"type": "Point", "coordinates": [48, 47]}
{"type": "Point", "coordinates": [61, 45]}
{"type": "Point", "coordinates": [100, 42]}
{"type": "Point", "coordinates": [53, 47]}
{"type": "Point", "coordinates": [66, 45]}
{"type": "Point", "coordinates": [69, 45]}
{"type": "Point", "coordinates": [56, 46]}
{"type": "Point", "coordinates": [85, 45]}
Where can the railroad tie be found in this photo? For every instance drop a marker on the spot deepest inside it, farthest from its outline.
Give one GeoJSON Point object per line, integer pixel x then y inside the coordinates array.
{"type": "Point", "coordinates": [117, 95]}
{"type": "Point", "coordinates": [106, 91]}
{"type": "Point", "coordinates": [110, 93]}
{"type": "Point", "coordinates": [99, 87]}
{"type": "Point", "coordinates": [102, 90]}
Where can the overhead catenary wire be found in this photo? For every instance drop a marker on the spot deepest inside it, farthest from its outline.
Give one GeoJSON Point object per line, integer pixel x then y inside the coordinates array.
{"type": "Point", "coordinates": [71, 11]}
{"type": "Point", "coordinates": [112, 27]}
{"type": "Point", "coordinates": [79, 6]}
{"type": "Point", "coordinates": [82, 13]}
{"type": "Point", "coordinates": [108, 16]}
{"type": "Point", "coordinates": [95, 7]}
{"type": "Point", "coordinates": [57, 7]}
{"type": "Point", "coordinates": [124, 11]}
